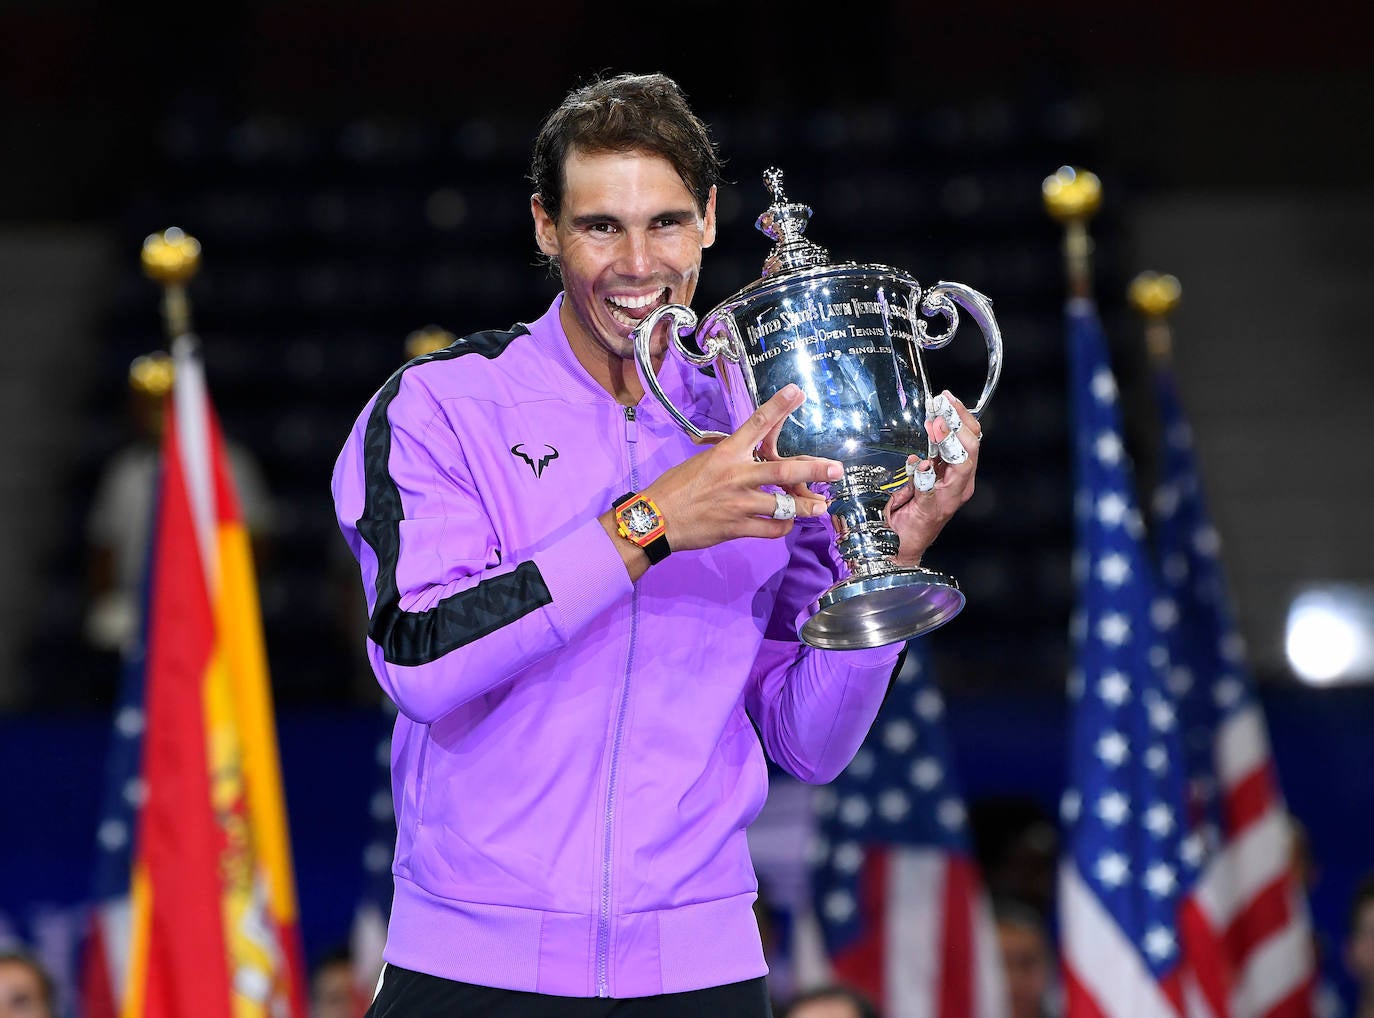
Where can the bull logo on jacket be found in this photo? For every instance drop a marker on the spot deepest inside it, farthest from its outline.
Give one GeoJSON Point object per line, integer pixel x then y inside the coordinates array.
{"type": "Point", "coordinates": [537, 465]}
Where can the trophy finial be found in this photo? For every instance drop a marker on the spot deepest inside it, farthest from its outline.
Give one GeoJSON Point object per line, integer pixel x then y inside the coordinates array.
{"type": "Point", "coordinates": [785, 222]}
{"type": "Point", "coordinates": [1154, 297]}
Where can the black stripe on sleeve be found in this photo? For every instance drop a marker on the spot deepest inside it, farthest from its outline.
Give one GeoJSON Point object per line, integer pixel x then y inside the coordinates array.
{"type": "Point", "coordinates": [416, 638]}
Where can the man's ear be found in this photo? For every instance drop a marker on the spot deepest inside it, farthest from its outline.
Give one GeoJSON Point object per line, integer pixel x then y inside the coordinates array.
{"type": "Point", "coordinates": [545, 229]}
{"type": "Point", "coordinates": [708, 234]}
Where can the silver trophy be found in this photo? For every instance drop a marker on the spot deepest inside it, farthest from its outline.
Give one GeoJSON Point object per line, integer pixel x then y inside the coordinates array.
{"type": "Point", "coordinates": [854, 337]}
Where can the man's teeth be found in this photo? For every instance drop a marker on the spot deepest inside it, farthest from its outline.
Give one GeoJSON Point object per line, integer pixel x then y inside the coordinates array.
{"type": "Point", "coordinates": [634, 303]}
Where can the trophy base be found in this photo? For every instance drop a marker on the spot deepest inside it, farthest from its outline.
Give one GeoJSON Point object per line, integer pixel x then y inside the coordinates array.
{"type": "Point", "coordinates": [870, 611]}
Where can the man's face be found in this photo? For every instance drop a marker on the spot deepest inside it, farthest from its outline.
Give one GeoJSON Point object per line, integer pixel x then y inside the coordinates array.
{"type": "Point", "coordinates": [21, 992]}
{"type": "Point", "coordinates": [1359, 947]}
{"type": "Point", "coordinates": [1026, 959]}
{"type": "Point", "coordinates": [629, 240]}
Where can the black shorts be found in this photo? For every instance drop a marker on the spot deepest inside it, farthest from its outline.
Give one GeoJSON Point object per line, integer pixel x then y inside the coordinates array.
{"type": "Point", "coordinates": [407, 994]}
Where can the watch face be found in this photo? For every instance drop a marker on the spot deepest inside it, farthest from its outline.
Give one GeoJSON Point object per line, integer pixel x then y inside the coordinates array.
{"type": "Point", "coordinates": [639, 518]}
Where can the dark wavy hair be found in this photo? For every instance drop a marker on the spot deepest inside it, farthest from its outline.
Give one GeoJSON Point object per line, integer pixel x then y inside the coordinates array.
{"type": "Point", "coordinates": [625, 113]}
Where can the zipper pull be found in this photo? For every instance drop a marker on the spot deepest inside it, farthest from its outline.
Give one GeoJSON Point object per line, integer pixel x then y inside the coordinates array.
{"type": "Point", "coordinates": [631, 425]}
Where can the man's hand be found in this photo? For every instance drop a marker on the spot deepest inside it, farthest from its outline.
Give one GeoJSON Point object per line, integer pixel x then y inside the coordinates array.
{"type": "Point", "coordinates": [718, 495]}
{"type": "Point", "coordinates": [920, 510]}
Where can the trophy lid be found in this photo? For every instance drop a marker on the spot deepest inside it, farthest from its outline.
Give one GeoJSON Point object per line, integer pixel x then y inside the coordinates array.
{"type": "Point", "coordinates": [785, 222]}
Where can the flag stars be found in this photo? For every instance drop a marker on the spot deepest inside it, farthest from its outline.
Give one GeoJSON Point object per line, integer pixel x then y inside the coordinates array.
{"type": "Point", "coordinates": [1193, 850]}
{"type": "Point", "coordinates": [1112, 869]}
{"type": "Point", "coordinates": [926, 773]}
{"type": "Point", "coordinates": [824, 801]}
{"type": "Point", "coordinates": [1112, 749]}
{"type": "Point", "coordinates": [1160, 880]}
{"type": "Point", "coordinates": [929, 705]}
{"type": "Point", "coordinates": [849, 857]}
{"type": "Point", "coordinates": [1161, 714]}
{"type": "Point", "coordinates": [129, 722]}
{"type": "Point", "coordinates": [1164, 613]}
{"type": "Point", "coordinates": [950, 813]}
{"type": "Point", "coordinates": [1112, 509]}
{"type": "Point", "coordinates": [1108, 448]}
{"type": "Point", "coordinates": [1159, 820]}
{"type": "Point", "coordinates": [1114, 569]}
{"type": "Point", "coordinates": [854, 810]}
{"type": "Point", "coordinates": [1156, 760]}
{"type": "Point", "coordinates": [1207, 542]}
{"type": "Point", "coordinates": [1227, 692]}
{"type": "Point", "coordinates": [1113, 808]}
{"type": "Point", "coordinates": [1113, 688]}
{"type": "Point", "coordinates": [899, 736]}
{"type": "Point", "coordinates": [1114, 629]}
{"type": "Point", "coordinates": [893, 805]}
{"type": "Point", "coordinates": [838, 906]}
{"type": "Point", "coordinates": [112, 835]}
{"type": "Point", "coordinates": [1070, 803]}
{"type": "Point", "coordinates": [1103, 386]}
{"type": "Point", "coordinates": [1159, 943]}
{"type": "Point", "coordinates": [135, 791]}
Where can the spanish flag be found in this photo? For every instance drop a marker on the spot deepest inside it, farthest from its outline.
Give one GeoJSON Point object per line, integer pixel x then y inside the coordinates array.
{"type": "Point", "coordinates": [213, 928]}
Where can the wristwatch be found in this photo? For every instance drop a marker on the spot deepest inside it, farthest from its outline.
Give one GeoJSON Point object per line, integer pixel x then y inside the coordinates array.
{"type": "Point", "coordinates": [639, 520]}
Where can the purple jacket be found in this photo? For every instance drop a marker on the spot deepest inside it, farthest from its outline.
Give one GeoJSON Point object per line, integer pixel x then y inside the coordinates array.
{"type": "Point", "coordinates": [576, 758]}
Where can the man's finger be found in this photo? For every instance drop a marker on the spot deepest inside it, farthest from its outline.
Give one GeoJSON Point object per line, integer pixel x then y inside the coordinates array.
{"type": "Point", "coordinates": [770, 414]}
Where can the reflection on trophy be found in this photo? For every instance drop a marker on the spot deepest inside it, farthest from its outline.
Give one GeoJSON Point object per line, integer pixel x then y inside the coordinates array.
{"type": "Point", "coordinates": [854, 338]}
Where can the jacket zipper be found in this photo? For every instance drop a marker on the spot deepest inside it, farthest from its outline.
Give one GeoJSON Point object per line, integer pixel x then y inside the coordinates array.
{"type": "Point", "coordinates": [603, 930]}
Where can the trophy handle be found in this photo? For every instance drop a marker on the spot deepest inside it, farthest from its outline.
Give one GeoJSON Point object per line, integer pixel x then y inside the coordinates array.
{"type": "Point", "coordinates": [941, 299]}
{"type": "Point", "coordinates": [684, 318]}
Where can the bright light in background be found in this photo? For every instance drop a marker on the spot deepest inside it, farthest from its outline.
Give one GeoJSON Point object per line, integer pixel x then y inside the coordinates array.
{"type": "Point", "coordinates": [1330, 636]}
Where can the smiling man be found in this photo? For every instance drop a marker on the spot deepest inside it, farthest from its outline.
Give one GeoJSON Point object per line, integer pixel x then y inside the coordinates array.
{"type": "Point", "coordinates": [587, 621]}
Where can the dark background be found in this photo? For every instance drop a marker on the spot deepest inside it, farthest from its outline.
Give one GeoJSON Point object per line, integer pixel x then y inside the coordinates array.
{"type": "Point", "coordinates": [354, 172]}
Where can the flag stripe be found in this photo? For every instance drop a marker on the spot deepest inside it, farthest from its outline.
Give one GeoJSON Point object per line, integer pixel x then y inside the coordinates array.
{"type": "Point", "coordinates": [914, 873]}
{"type": "Point", "coordinates": [1102, 962]}
{"type": "Point", "coordinates": [958, 963]}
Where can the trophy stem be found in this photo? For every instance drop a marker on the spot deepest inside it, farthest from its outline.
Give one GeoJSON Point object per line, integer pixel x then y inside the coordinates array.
{"type": "Point", "coordinates": [880, 602]}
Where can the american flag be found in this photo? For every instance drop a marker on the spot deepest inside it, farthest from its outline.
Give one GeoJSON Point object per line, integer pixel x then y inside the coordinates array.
{"type": "Point", "coordinates": [1147, 916]}
{"type": "Point", "coordinates": [105, 953]}
{"type": "Point", "coordinates": [1247, 929]}
{"type": "Point", "coordinates": [1129, 860]}
{"type": "Point", "coordinates": [367, 939]}
{"type": "Point", "coordinates": [897, 897]}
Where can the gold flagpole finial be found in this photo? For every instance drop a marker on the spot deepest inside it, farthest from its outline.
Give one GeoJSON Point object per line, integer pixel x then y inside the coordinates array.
{"type": "Point", "coordinates": [151, 374]}
{"type": "Point", "coordinates": [172, 258]}
{"type": "Point", "coordinates": [1072, 196]}
{"type": "Point", "coordinates": [427, 340]}
{"type": "Point", "coordinates": [1154, 296]}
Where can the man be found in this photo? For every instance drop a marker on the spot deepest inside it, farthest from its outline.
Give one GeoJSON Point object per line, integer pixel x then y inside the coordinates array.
{"type": "Point", "coordinates": [1359, 947]}
{"type": "Point", "coordinates": [588, 623]}
{"type": "Point", "coordinates": [26, 989]}
{"type": "Point", "coordinates": [1027, 957]}
{"type": "Point", "coordinates": [831, 1001]}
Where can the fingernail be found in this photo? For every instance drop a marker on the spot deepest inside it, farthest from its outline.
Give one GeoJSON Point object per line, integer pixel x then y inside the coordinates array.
{"type": "Point", "coordinates": [792, 390]}
{"type": "Point", "coordinates": [834, 472]}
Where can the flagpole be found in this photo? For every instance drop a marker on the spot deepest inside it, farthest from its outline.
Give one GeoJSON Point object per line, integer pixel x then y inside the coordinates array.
{"type": "Point", "coordinates": [172, 259]}
{"type": "Point", "coordinates": [1154, 296]}
{"type": "Point", "coordinates": [1072, 196]}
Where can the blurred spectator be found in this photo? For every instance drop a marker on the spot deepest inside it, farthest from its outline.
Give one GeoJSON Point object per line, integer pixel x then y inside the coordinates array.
{"type": "Point", "coordinates": [26, 988]}
{"type": "Point", "coordinates": [119, 521]}
{"type": "Point", "coordinates": [332, 990]}
{"type": "Point", "coordinates": [1017, 844]}
{"type": "Point", "coordinates": [1359, 946]}
{"type": "Point", "coordinates": [833, 1001]}
{"type": "Point", "coordinates": [1027, 958]}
